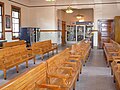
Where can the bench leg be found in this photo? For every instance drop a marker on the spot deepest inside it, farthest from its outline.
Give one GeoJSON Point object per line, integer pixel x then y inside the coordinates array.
{"type": "Point", "coordinates": [34, 59]}
{"type": "Point", "coordinates": [53, 52]}
{"type": "Point", "coordinates": [74, 85]}
{"type": "Point", "coordinates": [108, 63]}
{"type": "Point", "coordinates": [81, 69]}
{"type": "Point", "coordinates": [17, 69]}
{"type": "Point", "coordinates": [111, 71]}
{"type": "Point", "coordinates": [26, 64]}
{"type": "Point", "coordinates": [114, 79]}
{"type": "Point", "coordinates": [42, 56]}
{"type": "Point", "coordinates": [78, 77]}
{"type": "Point", "coordinates": [48, 54]}
{"type": "Point", "coordinates": [4, 73]}
{"type": "Point", "coordinates": [57, 50]}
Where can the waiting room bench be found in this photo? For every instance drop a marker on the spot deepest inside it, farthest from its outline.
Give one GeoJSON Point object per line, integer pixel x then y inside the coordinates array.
{"type": "Point", "coordinates": [82, 49]}
{"type": "Point", "coordinates": [115, 71]}
{"type": "Point", "coordinates": [111, 49]}
{"type": "Point", "coordinates": [13, 57]}
{"type": "Point", "coordinates": [43, 47]}
{"type": "Point", "coordinates": [14, 43]}
{"type": "Point", "coordinates": [117, 77]}
{"type": "Point", "coordinates": [57, 73]}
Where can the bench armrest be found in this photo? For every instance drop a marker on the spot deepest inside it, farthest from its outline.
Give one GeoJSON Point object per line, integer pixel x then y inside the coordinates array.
{"type": "Point", "coordinates": [113, 52]}
{"type": "Point", "coordinates": [71, 63]}
{"type": "Point", "coordinates": [67, 68]}
{"type": "Point", "coordinates": [116, 57]}
{"type": "Point", "coordinates": [58, 76]}
{"type": "Point", "coordinates": [75, 56]}
{"type": "Point", "coordinates": [49, 86]}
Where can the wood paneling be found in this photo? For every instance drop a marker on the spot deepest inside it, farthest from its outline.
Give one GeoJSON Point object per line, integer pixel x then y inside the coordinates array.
{"type": "Point", "coordinates": [106, 32]}
{"type": "Point", "coordinates": [63, 32]}
{"type": "Point", "coordinates": [117, 28]}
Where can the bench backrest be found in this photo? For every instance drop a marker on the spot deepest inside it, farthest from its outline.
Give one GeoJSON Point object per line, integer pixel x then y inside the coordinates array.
{"type": "Point", "coordinates": [27, 80]}
{"type": "Point", "coordinates": [11, 55]}
{"type": "Point", "coordinates": [42, 44]}
{"type": "Point", "coordinates": [11, 44]}
{"type": "Point", "coordinates": [57, 61]}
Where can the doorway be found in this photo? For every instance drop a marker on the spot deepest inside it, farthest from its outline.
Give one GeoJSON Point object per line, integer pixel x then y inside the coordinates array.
{"type": "Point", "coordinates": [75, 33]}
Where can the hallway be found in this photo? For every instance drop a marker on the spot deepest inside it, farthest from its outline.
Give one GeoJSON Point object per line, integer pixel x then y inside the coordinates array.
{"type": "Point", "coordinates": [96, 75]}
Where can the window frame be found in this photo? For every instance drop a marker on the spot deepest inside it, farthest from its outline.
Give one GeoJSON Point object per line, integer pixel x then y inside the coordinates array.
{"type": "Point", "coordinates": [19, 10]}
{"type": "Point", "coordinates": [3, 16]}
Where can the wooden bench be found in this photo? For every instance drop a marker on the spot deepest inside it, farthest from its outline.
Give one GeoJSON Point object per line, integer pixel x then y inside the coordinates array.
{"type": "Point", "coordinates": [57, 73]}
{"type": "Point", "coordinates": [117, 77]}
{"type": "Point", "coordinates": [13, 56]}
{"type": "Point", "coordinates": [28, 80]}
{"type": "Point", "coordinates": [63, 72]}
{"type": "Point", "coordinates": [82, 49]}
{"type": "Point", "coordinates": [41, 48]}
{"type": "Point", "coordinates": [15, 43]}
{"type": "Point", "coordinates": [111, 49]}
{"type": "Point", "coordinates": [116, 60]}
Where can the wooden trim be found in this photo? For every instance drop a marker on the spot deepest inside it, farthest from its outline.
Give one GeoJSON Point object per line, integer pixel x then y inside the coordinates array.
{"type": "Point", "coordinates": [50, 30]}
{"type": "Point", "coordinates": [8, 30]}
{"type": "Point", "coordinates": [18, 3]}
{"type": "Point", "coordinates": [15, 38]}
{"type": "Point", "coordinates": [3, 21]}
{"type": "Point", "coordinates": [63, 4]}
{"type": "Point", "coordinates": [15, 7]}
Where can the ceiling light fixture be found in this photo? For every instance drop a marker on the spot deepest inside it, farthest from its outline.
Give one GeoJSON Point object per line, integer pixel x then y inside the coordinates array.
{"type": "Point", "coordinates": [69, 10]}
{"type": "Point", "coordinates": [79, 16]}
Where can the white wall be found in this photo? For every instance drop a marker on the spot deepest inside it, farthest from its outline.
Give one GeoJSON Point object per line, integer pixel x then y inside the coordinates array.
{"type": "Point", "coordinates": [46, 17]}
{"type": "Point", "coordinates": [24, 15]}
{"type": "Point", "coordinates": [43, 17]}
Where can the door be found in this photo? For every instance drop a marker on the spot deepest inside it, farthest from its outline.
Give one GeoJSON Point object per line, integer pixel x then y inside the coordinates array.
{"type": "Point", "coordinates": [106, 32]}
{"type": "Point", "coordinates": [71, 33]}
{"type": "Point", "coordinates": [80, 33]}
{"type": "Point", "coordinates": [75, 33]}
{"type": "Point", "coordinates": [63, 33]}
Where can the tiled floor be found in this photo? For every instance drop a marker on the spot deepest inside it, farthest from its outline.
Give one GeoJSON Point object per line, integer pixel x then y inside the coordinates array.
{"type": "Point", "coordinates": [95, 75]}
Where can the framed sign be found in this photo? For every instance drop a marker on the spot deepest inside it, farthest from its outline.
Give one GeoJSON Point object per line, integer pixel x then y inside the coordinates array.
{"type": "Point", "coordinates": [7, 21]}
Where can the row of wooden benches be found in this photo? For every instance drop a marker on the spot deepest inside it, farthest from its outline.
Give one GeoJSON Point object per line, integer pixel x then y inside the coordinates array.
{"type": "Point", "coordinates": [115, 71]}
{"type": "Point", "coordinates": [15, 53]}
{"type": "Point", "coordinates": [111, 49]}
{"type": "Point", "coordinates": [57, 73]}
{"type": "Point", "coordinates": [112, 53]}
{"type": "Point", "coordinates": [39, 48]}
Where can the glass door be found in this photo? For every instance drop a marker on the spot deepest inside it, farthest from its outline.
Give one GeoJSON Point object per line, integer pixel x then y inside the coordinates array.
{"type": "Point", "coordinates": [80, 34]}
{"type": "Point", "coordinates": [75, 33]}
{"type": "Point", "coordinates": [71, 34]}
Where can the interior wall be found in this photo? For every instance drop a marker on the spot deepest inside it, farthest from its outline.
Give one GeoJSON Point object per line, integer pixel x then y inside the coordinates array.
{"type": "Point", "coordinates": [24, 15]}
{"type": "Point", "coordinates": [46, 17]}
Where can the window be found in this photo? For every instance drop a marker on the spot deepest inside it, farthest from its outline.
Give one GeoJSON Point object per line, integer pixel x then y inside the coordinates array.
{"type": "Point", "coordinates": [1, 20]}
{"type": "Point", "coordinates": [15, 22]}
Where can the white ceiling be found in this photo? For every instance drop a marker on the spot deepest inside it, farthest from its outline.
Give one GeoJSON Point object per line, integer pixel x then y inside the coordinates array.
{"type": "Point", "coordinates": [64, 2]}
